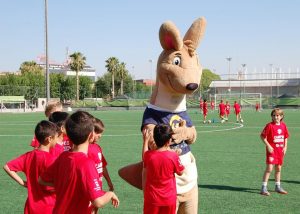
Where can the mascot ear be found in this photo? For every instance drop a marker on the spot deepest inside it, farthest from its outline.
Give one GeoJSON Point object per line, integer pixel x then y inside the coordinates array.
{"type": "Point", "coordinates": [196, 32]}
{"type": "Point", "coordinates": [169, 37]}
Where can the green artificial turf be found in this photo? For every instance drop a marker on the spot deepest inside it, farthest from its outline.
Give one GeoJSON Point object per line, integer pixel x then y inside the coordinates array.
{"type": "Point", "coordinates": [230, 159]}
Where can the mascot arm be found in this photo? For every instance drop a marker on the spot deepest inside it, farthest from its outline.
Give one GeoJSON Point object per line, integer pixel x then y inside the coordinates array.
{"type": "Point", "coordinates": [188, 134]}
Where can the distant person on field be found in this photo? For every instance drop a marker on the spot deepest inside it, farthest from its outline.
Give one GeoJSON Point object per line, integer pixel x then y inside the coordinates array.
{"type": "Point", "coordinates": [227, 110]}
{"type": "Point", "coordinates": [51, 107]}
{"type": "Point", "coordinates": [237, 111]}
{"type": "Point", "coordinates": [160, 166]}
{"type": "Point", "coordinates": [73, 174]}
{"type": "Point", "coordinates": [257, 107]}
{"type": "Point", "coordinates": [222, 111]}
{"type": "Point", "coordinates": [205, 110]}
{"type": "Point", "coordinates": [275, 137]}
{"type": "Point", "coordinates": [201, 105]}
{"type": "Point", "coordinates": [41, 199]}
{"type": "Point", "coordinates": [212, 105]}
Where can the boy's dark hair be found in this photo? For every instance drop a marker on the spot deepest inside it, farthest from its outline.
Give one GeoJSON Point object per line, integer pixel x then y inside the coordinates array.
{"type": "Point", "coordinates": [162, 134]}
{"type": "Point", "coordinates": [45, 129]}
{"type": "Point", "coordinates": [98, 126]}
{"type": "Point", "coordinates": [78, 126]}
{"type": "Point", "coordinates": [59, 118]}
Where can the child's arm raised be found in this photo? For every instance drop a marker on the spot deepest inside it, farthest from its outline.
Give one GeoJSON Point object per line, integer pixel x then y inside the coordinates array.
{"type": "Point", "coordinates": [15, 176]}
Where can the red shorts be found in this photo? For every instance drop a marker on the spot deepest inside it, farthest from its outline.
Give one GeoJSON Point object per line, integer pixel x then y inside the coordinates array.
{"type": "Point", "coordinates": [276, 157]}
{"type": "Point", "coordinates": [237, 112]}
{"type": "Point", "coordinates": [204, 113]}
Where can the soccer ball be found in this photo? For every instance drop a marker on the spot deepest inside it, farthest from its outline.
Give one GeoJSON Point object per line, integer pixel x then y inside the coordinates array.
{"type": "Point", "coordinates": [242, 120]}
{"type": "Point", "coordinates": [222, 121]}
{"type": "Point", "coordinates": [209, 121]}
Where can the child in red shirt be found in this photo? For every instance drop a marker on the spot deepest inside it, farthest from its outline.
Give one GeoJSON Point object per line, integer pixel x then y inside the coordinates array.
{"type": "Point", "coordinates": [275, 137]}
{"type": "Point", "coordinates": [205, 110]}
{"type": "Point", "coordinates": [222, 112]}
{"type": "Point", "coordinates": [237, 111]}
{"type": "Point", "coordinates": [227, 110]}
{"type": "Point", "coordinates": [59, 118]}
{"type": "Point", "coordinates": [96, 154]}
{"type": "Point", "coordinates": [41, 199]}
{"type": "Point", "coordinates": [74, 175]}
{"type": "Point", "coordinates": [160, 165]}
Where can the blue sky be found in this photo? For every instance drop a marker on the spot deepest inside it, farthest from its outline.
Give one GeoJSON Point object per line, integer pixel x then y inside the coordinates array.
{"type": "Point", "coordinates": [254, 32]}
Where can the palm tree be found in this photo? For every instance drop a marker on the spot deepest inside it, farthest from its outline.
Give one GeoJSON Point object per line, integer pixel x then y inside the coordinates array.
{"type": "Point", "coordinates": [122, 73]}
{"type": "Point", "coordinates": [77, 64]}
{"type": "Point", "coordinates": [112, 66]}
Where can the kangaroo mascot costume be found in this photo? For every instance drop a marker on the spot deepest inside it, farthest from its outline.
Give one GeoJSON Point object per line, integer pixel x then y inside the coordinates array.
{"type": "Point", "coordinates": [178, 74]}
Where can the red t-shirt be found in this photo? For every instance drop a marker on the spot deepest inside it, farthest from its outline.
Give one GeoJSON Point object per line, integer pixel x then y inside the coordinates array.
{"type": "Point", "coordinates": [41, 199]}
{"type": "Point", "coordinates": [160, 186]}
{"type": "Point", "coordinates": [227, 108]}
{"type": "Point", "coordinates": [201, 105]}
{"type": "Point", "coordinates": [222, 108]}
{"type": "Point", "coordinates": [276, 136]}
{"type": "Point", "coordinates": [237, 108]}
{"type": "Point", "coordinates": [95, 153]}
{"type": "Point", "coordinates": [76, 183]}
{"type": "Point", "coordinates": [66, 143]}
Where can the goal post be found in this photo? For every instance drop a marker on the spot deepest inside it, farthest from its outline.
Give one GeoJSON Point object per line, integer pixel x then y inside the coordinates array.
{"type": "Point", "coordinates": [246, 100]}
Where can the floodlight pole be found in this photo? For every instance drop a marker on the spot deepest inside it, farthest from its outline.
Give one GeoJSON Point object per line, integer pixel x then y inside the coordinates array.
{"type": "Point", "coordinates": [229, 59]}
{"type": "Point", "coordinates": [46, 47]}
{"type": "Point", "coordinates": [271, 67]}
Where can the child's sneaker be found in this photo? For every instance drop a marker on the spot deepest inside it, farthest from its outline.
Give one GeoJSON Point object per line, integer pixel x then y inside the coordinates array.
{"type": "Point", "coordinates": [264, 191]}
{"type": "Point", "coordinates": [280, 190]}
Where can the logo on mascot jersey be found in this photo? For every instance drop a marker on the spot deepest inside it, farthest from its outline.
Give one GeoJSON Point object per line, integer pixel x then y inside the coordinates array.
{"type": "Point", "coordinates": [175, 121]}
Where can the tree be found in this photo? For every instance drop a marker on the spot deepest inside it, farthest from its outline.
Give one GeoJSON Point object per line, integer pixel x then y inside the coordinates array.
{"type": "Point", "coordinates": [122, 73]}
{"type": "Point", "coordinates": [77, 64]}
{"type": "Point", "coordinates": [31, 67]}
{"type": "Point", "coordinates": [112, 66]}
{"type": "Point", "coordinates": [207, 78]}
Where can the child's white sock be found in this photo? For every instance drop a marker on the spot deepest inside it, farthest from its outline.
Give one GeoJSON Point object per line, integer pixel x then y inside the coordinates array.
{"type": "Point", "coordinates": [264, 184]}
{"type": "Point", "coordinates": [277, 183]}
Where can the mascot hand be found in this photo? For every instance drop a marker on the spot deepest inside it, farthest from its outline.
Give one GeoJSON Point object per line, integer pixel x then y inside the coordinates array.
{"type": "Point", "coordinates": [185, 133]}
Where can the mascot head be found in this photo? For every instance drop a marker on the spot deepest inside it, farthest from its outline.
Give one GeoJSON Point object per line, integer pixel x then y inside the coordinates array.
{"type": "Point", "coordinates": [178, 67]}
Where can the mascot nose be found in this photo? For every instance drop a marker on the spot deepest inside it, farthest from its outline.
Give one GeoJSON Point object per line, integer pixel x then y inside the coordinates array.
{"type": "Point", "coordinates": [192, 86]}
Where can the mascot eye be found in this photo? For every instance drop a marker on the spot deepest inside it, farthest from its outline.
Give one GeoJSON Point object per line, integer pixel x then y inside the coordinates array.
{"type": "Point", "coordinates": [176, 60]}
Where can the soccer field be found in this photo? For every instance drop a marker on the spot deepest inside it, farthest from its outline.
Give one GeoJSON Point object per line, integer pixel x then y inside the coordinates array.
{"type": "Point", "coordinates": [230, 159]}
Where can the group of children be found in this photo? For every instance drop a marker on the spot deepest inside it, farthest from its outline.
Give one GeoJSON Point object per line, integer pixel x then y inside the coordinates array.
{"type": "Point", "coordinates": [64, 171]}
{"type": "Point", "coordinates": [223, 109]}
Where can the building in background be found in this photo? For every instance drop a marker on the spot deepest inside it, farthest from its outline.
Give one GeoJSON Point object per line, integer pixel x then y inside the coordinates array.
{"type": "Point", "coordinates": [64, 68]}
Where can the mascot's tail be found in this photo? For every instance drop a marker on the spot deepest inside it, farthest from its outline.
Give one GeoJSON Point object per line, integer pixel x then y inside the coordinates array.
{"type": "Point", "coordinates": [132, 174]}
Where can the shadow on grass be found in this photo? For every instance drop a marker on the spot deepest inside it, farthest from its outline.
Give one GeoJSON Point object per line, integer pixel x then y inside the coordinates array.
{"type": "Point", "coordinates": [230, 188]}
{"type": "Point", "coordinates": [287, 181]}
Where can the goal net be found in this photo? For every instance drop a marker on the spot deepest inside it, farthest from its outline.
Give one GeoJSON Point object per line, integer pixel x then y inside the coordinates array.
{"type": "Point", "coordinates": [246, 100]}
